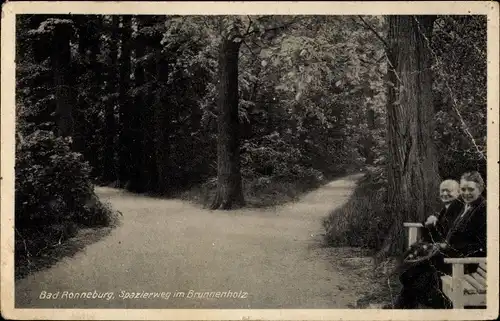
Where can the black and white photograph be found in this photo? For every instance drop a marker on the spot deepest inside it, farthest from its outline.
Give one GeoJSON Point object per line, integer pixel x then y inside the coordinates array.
{"type": "Point", "coordinates": [339, 158]}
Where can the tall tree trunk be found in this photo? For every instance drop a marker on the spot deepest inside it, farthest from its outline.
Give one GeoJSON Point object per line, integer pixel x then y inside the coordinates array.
{"type": "Point", "coordinates": [41, 46]}
{"type": "Point", "coordinates": [368, 142]}
{"type": "Point", "coordinates": [61, 58]}
{"type": "Point", "coordinates": [109, 165]}
{"type": "Point", "coordinates": [92, 149]}
{"type": "Point", "coordinates": [150, 165]}
{"type": "Point", "coordinates": [126, 138]}
{"type": "Point", "coordinates": [87, 108]}
{"type": "Point", "coordinates": [82, 104]}
{"type": "Point", "coordinates": [139, 122]}
{"type": "Point", "coordinates": [149, 42]}
{"type": "Point", "coordinates": [161, 126]}
{"type": "Point", "coordinates": [412, 166]}
{"type": "Point", "coordinates": [229, 187]}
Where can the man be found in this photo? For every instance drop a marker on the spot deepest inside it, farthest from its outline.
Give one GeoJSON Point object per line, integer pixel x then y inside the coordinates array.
{"type": "Point", "coordinates": [436, 227]}
{"type": "Point", "coordinates": [416, 287]}
{"type": "Point", "coordinates": [465, 235]}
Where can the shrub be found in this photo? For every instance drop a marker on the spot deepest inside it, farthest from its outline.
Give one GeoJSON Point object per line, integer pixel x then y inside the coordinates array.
{"type": "Point", "coordinates": [273, 171]}
{"type": "Point", "coordinates": [272, 157]}
{"type": "Point", "coordinates": [362, 221]}
{"type": "Point", "coordinates": [54, 193]}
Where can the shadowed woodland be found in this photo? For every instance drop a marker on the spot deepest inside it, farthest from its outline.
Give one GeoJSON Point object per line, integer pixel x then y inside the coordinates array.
{"type": "Point", "coordinates": [245, 111]}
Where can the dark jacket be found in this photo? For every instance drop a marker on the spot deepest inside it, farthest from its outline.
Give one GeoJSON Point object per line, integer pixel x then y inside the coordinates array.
{"type": "Point", "coordinates": [467, 235]}
{"type": "Point", "coordinates": [437, 233]}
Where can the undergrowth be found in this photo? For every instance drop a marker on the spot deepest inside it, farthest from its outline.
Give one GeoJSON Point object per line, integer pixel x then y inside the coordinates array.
{"type": "Point", "coordinates": [258, 192]}
{"type": "Point", "coordinates": [54, 200]}
{"type": "Point", "coordinates": [362, 221]}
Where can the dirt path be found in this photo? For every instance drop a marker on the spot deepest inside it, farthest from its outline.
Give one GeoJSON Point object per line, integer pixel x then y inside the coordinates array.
{"type": "Point", "coordinates": [274, 257]}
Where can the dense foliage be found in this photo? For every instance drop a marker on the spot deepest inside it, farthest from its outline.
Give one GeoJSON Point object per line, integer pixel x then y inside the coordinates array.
{"type": "Point", "coordinates": [458, 53]}
{"type": "Point", "coordinates": [52, 183]}
{"type": "Point", "coordinates": [54, 195]}
{"type": "Point", "coordinates": [295, 109]}
{"type": "Point", "coordinates": [138, 96]}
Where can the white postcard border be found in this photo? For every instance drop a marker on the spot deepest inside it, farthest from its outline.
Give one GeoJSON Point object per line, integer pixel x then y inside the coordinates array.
{"type": "Point", "coordinates": [9, 11]}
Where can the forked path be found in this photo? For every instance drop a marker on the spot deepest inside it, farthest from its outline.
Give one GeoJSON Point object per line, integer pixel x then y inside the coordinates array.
{"type": "Point", "coordinates": [271, 258]}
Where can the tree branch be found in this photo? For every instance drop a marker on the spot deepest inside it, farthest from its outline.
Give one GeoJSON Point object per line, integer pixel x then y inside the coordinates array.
{"type": "Point", "coordinates": [367, 25]}
{"type": "Point", "coordinates": [372, 62]}
{"type": "Point", "coordinates": [255, 43]}
{"type": "Point", "coordinates": [249, 49]}
{"type": "Point", "coordinates": [205, 22]}
{"type": "Point", "coordinates": [464, 126]}
{"type": "Point", "coordinates": [249, 24]}
{"type": "Point", "coordinates": [284, 26]}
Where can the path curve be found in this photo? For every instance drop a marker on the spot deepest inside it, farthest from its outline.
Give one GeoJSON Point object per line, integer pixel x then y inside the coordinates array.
{"type": "Point", "coordinates": [273, 255]}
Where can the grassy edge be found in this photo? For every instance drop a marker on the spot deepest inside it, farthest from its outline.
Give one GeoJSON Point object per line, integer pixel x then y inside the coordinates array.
{"type": "Point", "coordinates": [69, 247]}
{"type": "Point", "coordinates": [362, 220]}
{"type": "Point", "coordinates": [357, 228]}
{"type": "Point", "coordinates": [258, 193]}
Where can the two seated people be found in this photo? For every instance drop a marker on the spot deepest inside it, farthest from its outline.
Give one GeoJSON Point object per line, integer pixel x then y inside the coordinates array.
{"type": "Point", "coordinates": [459, 230]}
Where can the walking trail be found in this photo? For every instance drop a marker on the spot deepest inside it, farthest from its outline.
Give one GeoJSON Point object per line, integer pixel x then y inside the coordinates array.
{"type": "Point", "coordinates": [271, 258]}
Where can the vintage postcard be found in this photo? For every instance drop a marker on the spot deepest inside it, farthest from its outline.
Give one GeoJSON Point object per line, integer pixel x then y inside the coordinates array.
{"type": "Point", "coordinates": [250, 160]}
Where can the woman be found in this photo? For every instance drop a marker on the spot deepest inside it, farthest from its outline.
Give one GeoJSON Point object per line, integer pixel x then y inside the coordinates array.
{"type": "Point", "coordinates": [466, 237]}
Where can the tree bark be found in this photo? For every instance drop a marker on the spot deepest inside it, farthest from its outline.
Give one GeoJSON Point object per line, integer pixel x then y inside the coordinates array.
{"type": "Point", "coordinates": [61, 58]}
{"type": "Point", "coordinates": [125, 137]}
{"type": "Point", "coordinates": [91, 147]}
{"type": "Point", "coordinates": [229, 186]}
{"type": "Point", "coordinates": [161, 126]}
{"type": "Point", "coordinates": [82, 105]}
{"type": "Point", "coordinates": [412, 165]}
{"type": "Point", "coordinates": [368, 142]}
{"type": "Point", "coordinates": [86, 111]}
{"type": "Point", "coordinates": [41, 46]}
{"type": "Point", "coordinates": [149, 42]}
{"type": "Point", "coordinates": [139, 122]}
{"type": "Point", "coordinates": [109, 117]}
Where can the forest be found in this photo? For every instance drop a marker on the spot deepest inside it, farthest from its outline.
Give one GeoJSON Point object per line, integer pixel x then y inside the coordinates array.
{"type": "Point", "coordinates": [245, 111]}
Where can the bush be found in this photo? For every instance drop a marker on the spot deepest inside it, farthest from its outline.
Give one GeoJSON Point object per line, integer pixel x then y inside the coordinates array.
{"type": "Point", "coordinates": [362, 221]}
{"type": "Point", "coordinates": [273, 172]}
{"type": "Point", "coordinates": [263, 191]}
{"type": "Point", "coordinates": [54, 193]}
{"type": "Point", "coordinates": [272, 157]}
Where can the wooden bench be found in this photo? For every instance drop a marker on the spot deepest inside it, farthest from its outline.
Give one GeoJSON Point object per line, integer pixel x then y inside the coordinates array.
{"type": "Point", "coordinates": [462, 289]}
